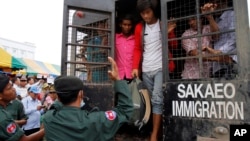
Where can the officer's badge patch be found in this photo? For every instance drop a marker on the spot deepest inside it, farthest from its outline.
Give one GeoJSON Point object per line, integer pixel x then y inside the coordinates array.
{"type": "Point", "coordinates": [11, 128]}
{"type": "Point", "coordinates": [110, 115]}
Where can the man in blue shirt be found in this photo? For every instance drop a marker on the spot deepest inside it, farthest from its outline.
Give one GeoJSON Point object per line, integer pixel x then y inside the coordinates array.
{"type": "Point", "coordinates": [225, 42]}
{"type": "Point", "coordinates": [33, 110]}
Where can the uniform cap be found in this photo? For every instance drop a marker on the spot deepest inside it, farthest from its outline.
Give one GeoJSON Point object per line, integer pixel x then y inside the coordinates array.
{"type": "Point", "coordinates": [4, 80]}
{"type": "Point", "coordinates": [34, 89]}
{"type": "Point", "coordinates": [65, 84]}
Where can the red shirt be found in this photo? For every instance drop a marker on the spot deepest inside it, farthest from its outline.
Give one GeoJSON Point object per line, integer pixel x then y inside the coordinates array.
{"type": "Point", "coordinates": [138, 47]}
{"type": "Point", "coordinates": [124, 48]}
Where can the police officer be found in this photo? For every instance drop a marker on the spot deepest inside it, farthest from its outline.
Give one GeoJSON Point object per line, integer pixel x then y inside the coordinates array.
{"type": "Point", "coordinates": [9, 130]}
{"type": "Point", "coordinates": [16, 109]}
{"type": "Point", "coordinates": [70, 123]}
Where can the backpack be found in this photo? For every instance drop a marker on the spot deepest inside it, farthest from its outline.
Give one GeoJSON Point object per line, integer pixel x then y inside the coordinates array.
{"type": "Point", "coordinates": [141, 102]}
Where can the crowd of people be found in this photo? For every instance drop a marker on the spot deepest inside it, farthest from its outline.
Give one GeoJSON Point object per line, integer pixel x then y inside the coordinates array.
{"type": "Point", "coordinates": [66, 120]}
{"type": "Point", "coordinates": [138, 49]}
{"type": "Point", "coordinates": [219, 65]}
{"type": "Point", "coordinates": [26, 102]}
{"type": "Point", "coordinates": [32, 98]}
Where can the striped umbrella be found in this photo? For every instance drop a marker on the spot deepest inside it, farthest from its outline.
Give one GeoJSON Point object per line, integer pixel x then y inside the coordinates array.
{"type": "Point", "coordinates": [38, 67]}
{"type": "Point", "coordinates": [9, 61]}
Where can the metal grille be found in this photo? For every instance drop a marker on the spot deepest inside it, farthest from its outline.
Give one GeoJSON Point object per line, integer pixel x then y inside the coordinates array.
{"type": "Point", "coordinates": [89, 45]}
{"type": "Point", "coordinates": [199, 50]}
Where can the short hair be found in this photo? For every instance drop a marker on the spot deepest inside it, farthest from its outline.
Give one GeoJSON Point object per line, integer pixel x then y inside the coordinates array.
{"type": "Point", "coordinates": [67, 98]}
{"type": "Point", "coordinates": [144, 4]}
{"type": "Point", "coordinates": [127, 17]}
{"type": "Point", "coordinates": [4, 81]}
{"type": "Point", "coordinates": [29, 78]}
{"type": "Point", "coordinates": [14, 79]}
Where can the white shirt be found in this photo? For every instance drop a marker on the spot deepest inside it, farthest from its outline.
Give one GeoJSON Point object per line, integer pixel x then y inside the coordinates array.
{"type": "Point", "coordinates": [152, 54]}
{"type": "Point", "coordinates": [23, 91]}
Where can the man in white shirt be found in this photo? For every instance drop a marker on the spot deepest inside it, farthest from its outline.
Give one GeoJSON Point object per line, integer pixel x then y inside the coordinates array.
{"type": "Point", "coordinates": [151, 59]}
{"type": "Point", "coordinates": [22, 89]}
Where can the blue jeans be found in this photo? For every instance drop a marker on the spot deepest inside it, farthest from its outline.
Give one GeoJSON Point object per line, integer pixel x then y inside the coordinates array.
{"type": "Point", "coordinates": [153, 81]}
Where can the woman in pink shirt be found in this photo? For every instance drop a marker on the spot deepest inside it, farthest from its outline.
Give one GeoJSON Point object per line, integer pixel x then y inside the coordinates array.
{"type": "Point", "coordinates": [124, 47]}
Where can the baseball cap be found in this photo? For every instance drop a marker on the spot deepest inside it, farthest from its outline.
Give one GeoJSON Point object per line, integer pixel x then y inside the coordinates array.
{"type": "Point", "coordinates": [4, 80]}
{"type": "Point", "coordinates": [34, 89]}
{"type": "Point", "coordinates": [23, 78]}
{"type": "Point", "coordinates": [65, 84]}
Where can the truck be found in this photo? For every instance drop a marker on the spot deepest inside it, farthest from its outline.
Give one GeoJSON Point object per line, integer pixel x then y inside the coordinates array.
{"type": "Point", "coordinates": [195, 109]}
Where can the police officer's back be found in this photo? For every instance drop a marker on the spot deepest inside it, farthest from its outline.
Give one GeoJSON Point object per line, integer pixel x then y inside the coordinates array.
{"type": "Point", "coordinates": [69, 122]}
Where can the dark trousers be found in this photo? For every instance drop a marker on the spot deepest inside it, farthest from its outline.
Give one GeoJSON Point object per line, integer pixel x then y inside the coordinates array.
{"type": "Point", "coordinates": [31, 131]}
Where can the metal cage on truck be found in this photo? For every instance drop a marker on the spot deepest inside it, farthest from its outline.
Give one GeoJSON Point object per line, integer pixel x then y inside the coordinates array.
{"type": "Point", "coordinates": [84, 53]}
{"type": "Point", "coordinates": [202, 108]}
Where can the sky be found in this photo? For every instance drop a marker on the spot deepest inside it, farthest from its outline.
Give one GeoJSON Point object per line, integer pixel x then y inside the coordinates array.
{"type": "Point", "coordinates": [35, 21]}
{"type": "Point", "coordinates": [38, 22]}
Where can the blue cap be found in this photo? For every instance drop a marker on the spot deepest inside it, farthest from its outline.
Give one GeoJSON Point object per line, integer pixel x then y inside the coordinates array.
{"type": "Point", "coordinates": [34, 89]}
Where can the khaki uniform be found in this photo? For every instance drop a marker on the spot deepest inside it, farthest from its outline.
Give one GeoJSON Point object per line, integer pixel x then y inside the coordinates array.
{"type": "Point", "coordinates": [73, 124]}
{"type": "Point", "coordinates": [9, 130]}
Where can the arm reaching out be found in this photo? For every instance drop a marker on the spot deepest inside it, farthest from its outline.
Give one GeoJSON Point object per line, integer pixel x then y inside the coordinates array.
{"type": "Point", "coordinates": [114, 72]}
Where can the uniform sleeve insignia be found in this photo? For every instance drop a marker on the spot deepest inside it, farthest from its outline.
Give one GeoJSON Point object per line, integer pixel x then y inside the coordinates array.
{"type": "Point", "coordinates": [110, 115]}
{"type": "Point", "coordinates": [11, 128]}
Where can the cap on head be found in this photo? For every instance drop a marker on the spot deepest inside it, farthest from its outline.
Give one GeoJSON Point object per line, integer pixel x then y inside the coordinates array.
{"type": "Point", "coordinates": [65, 84]}
{"type": "Point", "coordinates": [52, 89]}
{"type": "Point", "coordinates": [34, 89]}
{"type": "Point", "coordinates": [23, 78]}
{"type": "Point", "coordinates": [45, 86]}
{"type": "Point", "coordinates": [4, 80]}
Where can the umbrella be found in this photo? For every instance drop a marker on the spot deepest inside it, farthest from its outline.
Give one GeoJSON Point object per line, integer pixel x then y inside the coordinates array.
{"type": "Point", "coordinates": [9, 61]}
{"type": "Point", "coordinates": [38, 67]}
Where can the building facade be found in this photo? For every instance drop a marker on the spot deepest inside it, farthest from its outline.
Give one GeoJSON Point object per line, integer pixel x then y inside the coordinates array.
{"type": "Point", "coordinates": [18, 49]}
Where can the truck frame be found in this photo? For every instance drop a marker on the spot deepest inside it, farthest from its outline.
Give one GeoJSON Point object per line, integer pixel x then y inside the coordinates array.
{"type": "Point", "coordinates": [203, 109]}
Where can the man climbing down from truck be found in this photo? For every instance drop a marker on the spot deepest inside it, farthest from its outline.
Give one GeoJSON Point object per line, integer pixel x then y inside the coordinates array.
{"type": "Point", "coordinates": [148, 50]}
